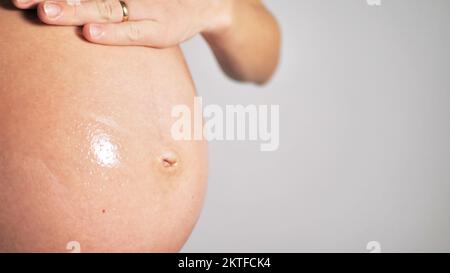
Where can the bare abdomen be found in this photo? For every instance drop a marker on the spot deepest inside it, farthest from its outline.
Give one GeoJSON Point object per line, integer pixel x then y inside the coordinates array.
{"type": "Point", "coordinates": [85, 148]}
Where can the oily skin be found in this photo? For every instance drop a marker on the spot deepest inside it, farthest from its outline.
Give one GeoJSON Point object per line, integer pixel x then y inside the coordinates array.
{"type": "Point", "coordinates": [85, 150]}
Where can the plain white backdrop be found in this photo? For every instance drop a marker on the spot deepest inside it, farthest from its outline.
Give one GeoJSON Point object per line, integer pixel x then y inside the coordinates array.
{"type": "Point", "coordinates": [364, 95]}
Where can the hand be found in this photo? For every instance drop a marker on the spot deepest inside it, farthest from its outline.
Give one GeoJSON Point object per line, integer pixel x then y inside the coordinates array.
{"type": "Point", "coordinates": [243, 34]}
{"type": "Point", "coordinates": [154, 23]}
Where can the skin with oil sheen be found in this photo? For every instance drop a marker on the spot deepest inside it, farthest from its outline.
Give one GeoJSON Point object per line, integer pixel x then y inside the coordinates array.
{"type": "Point", "coordinates": [86, 153]}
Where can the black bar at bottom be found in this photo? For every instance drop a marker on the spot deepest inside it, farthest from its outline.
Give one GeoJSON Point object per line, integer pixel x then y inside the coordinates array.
{"type": "Point", "coordinates": [224, 262]}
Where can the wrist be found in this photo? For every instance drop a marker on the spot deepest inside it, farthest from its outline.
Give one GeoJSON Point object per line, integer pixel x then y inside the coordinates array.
{"type": "Point", "coordinates": [219, 17]}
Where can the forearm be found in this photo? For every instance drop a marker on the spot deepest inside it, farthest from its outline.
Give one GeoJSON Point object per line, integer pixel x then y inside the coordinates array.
{"type": "Point", "coordinates": [247, 42]}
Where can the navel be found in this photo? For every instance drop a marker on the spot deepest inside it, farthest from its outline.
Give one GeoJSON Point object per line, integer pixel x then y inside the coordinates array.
{"type": "Point", "coordinates": [169, 162]}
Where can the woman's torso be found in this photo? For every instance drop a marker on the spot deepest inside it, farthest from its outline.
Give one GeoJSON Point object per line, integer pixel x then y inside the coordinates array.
{"type": "Point", "coordinates": [86, 153]}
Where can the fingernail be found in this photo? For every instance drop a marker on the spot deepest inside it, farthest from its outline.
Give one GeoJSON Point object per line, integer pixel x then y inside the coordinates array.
{"type": "Point", "coordinates": [24, 1]}
{"type": "Point", "coordinates": [52, 10]}
{"type": "Point", "coordinates": [96, 31]}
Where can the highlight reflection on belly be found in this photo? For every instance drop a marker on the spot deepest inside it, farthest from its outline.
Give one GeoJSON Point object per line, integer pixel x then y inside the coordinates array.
{"type": "Point", "coordinates": [104, 150]}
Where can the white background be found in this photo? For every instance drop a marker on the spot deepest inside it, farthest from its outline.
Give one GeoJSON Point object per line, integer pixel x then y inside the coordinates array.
{"type": "Point", "coordinates": [364, 95]}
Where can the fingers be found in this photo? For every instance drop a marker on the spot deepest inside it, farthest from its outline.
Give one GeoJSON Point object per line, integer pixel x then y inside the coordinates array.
{"type": "Point", "coordinates": [94, 11]}
{"type": "Point", "coordinates": [102, 20]}
{"type": "Point", "coordinates": [28, 4]}
{"type": "Point", "coordinates": [143, 33]}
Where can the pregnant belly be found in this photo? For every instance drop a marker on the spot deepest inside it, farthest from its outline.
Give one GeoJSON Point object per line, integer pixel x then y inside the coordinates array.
{"type": "Point", "coordinates": [86, 154]}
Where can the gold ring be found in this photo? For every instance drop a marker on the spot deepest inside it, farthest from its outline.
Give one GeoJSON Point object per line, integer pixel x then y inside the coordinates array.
{"type": "Point", "coordinates": [124, 11]}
